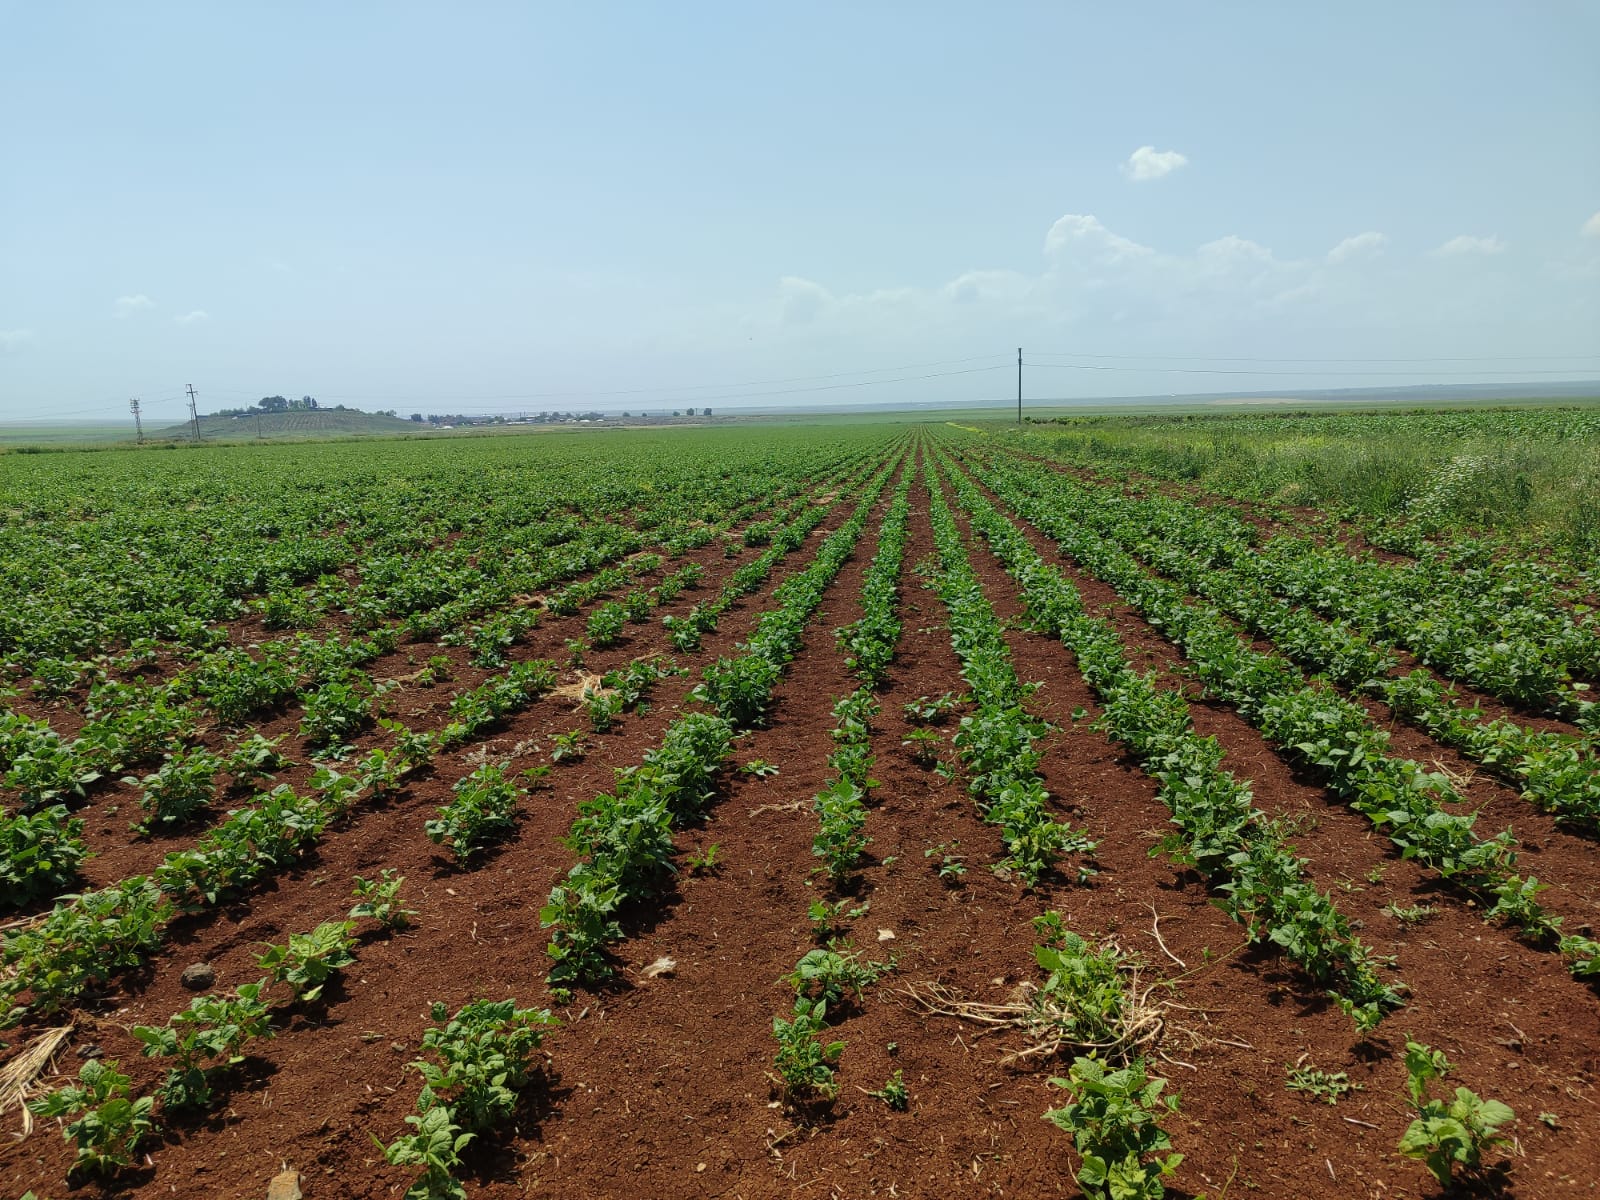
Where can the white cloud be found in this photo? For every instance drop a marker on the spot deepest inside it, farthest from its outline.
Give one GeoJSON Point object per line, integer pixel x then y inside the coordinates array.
{"type": "Point", "coordinates": [126, 306]}
{"type": "Point", "coordinates": [1362, 245]}
{"type": "Point", "coordinates": [1085, 235]}
{"type": "Point", "coordinates": [189, 318]}
{"type": "Point", "coordinates": [1149, 163]}
{"type": "Point", "coordinates": [977, 287]}
{"type": "Point", "coordinates": [1088, 272]}
{"type": "Point", "coordinates": [1591, 227]}
{"type": "Point", "coordinates": [14, 339]}
{"type": "Point", "coordinates": [1232, 251]}
{"type": "Point", "coordinates": [803, 300]}
{"type": "Point", "coordinates": [1467, 244]}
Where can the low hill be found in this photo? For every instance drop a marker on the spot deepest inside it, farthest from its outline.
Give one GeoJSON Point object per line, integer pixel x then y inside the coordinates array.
{"type": "Point", "coordinates": [300, 423]}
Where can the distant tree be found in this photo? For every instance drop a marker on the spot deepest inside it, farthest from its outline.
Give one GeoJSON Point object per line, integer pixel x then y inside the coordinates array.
{"type": "Point", "coordinates": [273, 404]}
{"type": "Point", "coordinates": [706, 412]}
{"type": "Point", "coordinates": [309, 402]}
{"type": "Point", "coordinates": [416, 416]}
{"type": "Point", "coordinates": [676, 413]}
{"type": "Point", "coordinates": [626, 416]}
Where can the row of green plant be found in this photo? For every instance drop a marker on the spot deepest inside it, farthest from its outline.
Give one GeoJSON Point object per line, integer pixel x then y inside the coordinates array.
{"type": "Point", "coordinates": [1319, 730]}
{"type": "Point", "coordinates": [86, 940]}
{"type": "Point", "coordinates": [1219, 831]}
{"type": "Point", "coordinates": [1213, 557]}
{"type": "Point", "coordinates": [825, 981]}
{"type": "Point", "coordinates": [1088, 1007]}
{"type": "Point", "coordinates": [869, 645]}
{"type": "Point", "coordinates": [1505, 624]}
{"type": "Point", "coordinates": [476, 1065]}
{"type": "Point", "coordinates": [624, 839]}
{"type": "Point", "coordinates": [148, 721]}
{"type": "Point", "coordinates": [40, 853]}
{"type": "Point", "coordinates": [466, 524]}
{"type": "Point", "coordinates": [594, 547]}
{"type": "Point", "coordinates": [780, 540]}
{"type": "Point", "coordinates": [1491, 624]}
{"type": "Point", "coordinates": [998, 741]}
{"type": "Point", "coordinates": [131, 722]}
{"type": "Point", "coordinates": [106, 1123]}
{"type": "Point", "coordinates": [830, 980]}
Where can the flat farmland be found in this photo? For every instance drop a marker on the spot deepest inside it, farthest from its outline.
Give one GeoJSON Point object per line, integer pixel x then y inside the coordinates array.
{"type": "Point", "coordinates": [829, 810]}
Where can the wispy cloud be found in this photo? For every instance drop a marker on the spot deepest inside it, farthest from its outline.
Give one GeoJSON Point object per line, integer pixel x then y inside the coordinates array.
{"type": "Point", "coordinates": [1084, 233]}
{"type": "Point", "coordinates": [1086, 268]}
{"type": "Point", "coordinates": [1149, 163]}
{"type": "Point", "coordinates": [1361, 245]}
{"type": "Point", "coordinates": [126, 306]}
{"type": "Point", "coordinates": [189, 318]}
{"type": "Point", "coordinates": [1591, 227]}
{"type": "Point", "coordinates": [802, 299]}
{"type": "Point", "coordinates": [1466, 244]}
{"type": "Point", "coordinates": [15, 339]}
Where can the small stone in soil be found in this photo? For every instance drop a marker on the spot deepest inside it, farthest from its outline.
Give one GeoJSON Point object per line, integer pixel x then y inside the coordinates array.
{"type": "Point", "coordinates": [197, 977]}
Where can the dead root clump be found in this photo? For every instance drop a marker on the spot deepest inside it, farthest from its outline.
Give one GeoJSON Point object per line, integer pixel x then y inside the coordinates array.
{"type": "Point", "coordinates": [579, 691]}
{"type": "Point", "coordinates": [1092, 1003]}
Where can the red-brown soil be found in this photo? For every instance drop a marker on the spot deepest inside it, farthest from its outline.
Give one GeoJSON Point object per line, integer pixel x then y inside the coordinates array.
{"type": "Point", "coordinates": [659, 1086]}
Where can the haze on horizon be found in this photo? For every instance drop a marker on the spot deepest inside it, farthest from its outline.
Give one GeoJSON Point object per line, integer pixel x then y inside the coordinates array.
{"type": "Point", "coordinates": [498, 207]}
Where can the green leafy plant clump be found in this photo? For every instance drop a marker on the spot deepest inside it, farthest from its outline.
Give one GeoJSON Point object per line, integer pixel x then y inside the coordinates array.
{"type": "Point", "coordinates": [379, 900]}
{"type": "Point", "coordinates": [39, 854]}
{"type": "Point", "coordinates": [1113, 1119]}
{"type": "Point", "coordinates": [477, 1064]}
{"type": "Point", "coordinates": [482, 812]}
{"type": "Point", "coordinates": [207, 1037]}
{"type": "Point", "coordinates": [1447, 1134]}
{"type": "Point", "coordinates": [804, 1060]}
{"type": "Point", "coordinates": [481, 1058]}
{"type": "Point", "coordinates": [106, 1126]}
{"type": "Point", "coordinates": [308, 962]}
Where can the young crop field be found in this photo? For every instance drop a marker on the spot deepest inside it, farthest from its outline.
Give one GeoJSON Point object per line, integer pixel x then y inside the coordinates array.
{"type": "Point", "coordinates": [1117, 810]}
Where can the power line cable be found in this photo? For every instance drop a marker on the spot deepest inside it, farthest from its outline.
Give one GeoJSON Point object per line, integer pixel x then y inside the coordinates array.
{"type": "Point", "coordinates": [1241, 358]}
{"type": "Point", "coordinates": [1379, 372]}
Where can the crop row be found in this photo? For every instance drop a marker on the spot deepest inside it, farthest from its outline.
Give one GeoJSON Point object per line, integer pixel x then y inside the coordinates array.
{"type": "Point", "coordinates": [83, 942]}
{"type": "Point", "coordinates": [625, 838]}
{"type": "Point", "coordinates": [831, 978]}
{"type": "Point", "coordinates": [1499, 624]}
{"type": "Point", "coordinates": [1316, 728]}
{"type": "Point", "coordinates": [160, 549]}
{"type": "Point", "coordinates": [132, 723]}
{"type": "Point", "coordinates": [86, 940]}
{"type": "Point", "coordinates": [997, 742]}
{"type": "Point", "coordinates": [1213, 558]}
{"type": "Point", "coordinates": [1219, 831]}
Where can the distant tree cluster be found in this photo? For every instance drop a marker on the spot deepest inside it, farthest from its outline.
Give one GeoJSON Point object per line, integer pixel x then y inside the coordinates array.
{"type": "Point", "coordinates": [677, 412]}
{"type": "Point", "coordinates": [277, 404]}
{"type": "Point", "coordinates": [284, 404]}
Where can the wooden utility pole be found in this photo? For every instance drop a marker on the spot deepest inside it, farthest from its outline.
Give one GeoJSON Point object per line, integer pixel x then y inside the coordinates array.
{"type": "Point", "coordinates": [194, 417]}
{"type": "Point", "coordinates": [138, 426]}
{"type": "Point", "coordinates": [1019, 387]}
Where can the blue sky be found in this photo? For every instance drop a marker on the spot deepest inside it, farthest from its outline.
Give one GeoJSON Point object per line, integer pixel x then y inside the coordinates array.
{"type": "Point", "coordinates": [489, 207]}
